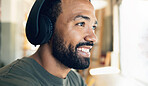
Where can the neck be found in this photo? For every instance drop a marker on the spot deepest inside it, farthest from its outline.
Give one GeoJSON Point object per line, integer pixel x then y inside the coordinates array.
{"type": "Point", "coordinates": [45, 58]}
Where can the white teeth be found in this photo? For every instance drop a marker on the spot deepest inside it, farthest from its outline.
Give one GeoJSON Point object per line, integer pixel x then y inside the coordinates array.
{"type": "Point", "coordinates": [84, 50]}
{"type": "Point", "coordinates": [79, 49]}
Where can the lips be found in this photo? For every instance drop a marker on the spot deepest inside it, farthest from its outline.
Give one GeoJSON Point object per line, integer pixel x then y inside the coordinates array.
{"type": "Point", "coordinates": [84, 51]}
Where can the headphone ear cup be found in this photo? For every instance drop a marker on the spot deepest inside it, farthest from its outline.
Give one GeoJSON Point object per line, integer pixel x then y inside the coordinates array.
{"type": "Point", "coordinates": [45, 29]}
{"type": "Point", "coordinates": [38, 27]}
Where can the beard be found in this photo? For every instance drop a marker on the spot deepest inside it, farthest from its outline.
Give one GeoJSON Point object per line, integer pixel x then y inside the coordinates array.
{"type": "Point", "coordinates": [69, 56]}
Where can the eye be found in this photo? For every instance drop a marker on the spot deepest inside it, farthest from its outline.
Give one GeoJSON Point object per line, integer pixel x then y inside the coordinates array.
{"type": "Point", "coordinates": [94, 27]}
{"type": "Point", "coordinates": [81, 24]}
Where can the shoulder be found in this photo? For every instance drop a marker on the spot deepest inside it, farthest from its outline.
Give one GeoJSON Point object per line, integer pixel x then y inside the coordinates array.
{"type": "Point", "coordinates": [11, 81]}
{"type": "Point", "coordinates": [16, 75]}
{"type": "Point", "coordinates": [18, 68]}
{"type": "Point", "coordinates": [76, 78]}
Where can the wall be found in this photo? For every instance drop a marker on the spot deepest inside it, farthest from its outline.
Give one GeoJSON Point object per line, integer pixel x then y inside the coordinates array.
{"type": "Point", "coordinates": [13, 14]}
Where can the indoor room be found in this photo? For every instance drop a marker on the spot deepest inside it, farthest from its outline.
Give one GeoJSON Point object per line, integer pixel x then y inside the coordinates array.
{"type": "Point", "coordinates": [118, 58]}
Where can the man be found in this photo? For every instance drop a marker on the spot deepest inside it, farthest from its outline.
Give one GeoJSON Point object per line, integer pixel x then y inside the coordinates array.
{"type": "Point", "coordinates": [64, 29]}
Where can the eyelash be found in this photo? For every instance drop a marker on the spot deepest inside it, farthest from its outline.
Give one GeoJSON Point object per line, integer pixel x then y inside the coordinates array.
{"type": "Point", "coordinates": [82, 24]}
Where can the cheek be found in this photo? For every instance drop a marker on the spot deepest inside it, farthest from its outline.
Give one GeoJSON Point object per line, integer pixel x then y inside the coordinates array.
{"type": "Point", "coordinates": [73, 37]}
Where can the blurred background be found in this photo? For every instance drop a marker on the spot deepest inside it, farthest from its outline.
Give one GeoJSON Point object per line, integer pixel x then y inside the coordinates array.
{"type": "Point", "coordinates": [119, 58]}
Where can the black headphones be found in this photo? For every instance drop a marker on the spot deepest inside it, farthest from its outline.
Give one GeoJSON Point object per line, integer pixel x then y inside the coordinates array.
{"type": "Point", "coordinates": [39, 27]}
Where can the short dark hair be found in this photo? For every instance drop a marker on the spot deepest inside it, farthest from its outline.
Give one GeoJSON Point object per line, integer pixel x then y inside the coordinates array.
{"type": "Point", "coordinates": [51, 9]}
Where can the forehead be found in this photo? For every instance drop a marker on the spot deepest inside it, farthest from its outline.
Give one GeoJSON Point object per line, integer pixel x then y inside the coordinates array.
{"type": "Point", "coordinates": [71, 4]}
{"type": "Point", "coordinates": [71, 8]}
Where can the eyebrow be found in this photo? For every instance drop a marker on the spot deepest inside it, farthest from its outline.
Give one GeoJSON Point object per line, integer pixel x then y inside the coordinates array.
{"type": "Point", "coordinates": [84, 17]}
{"type": "Point", "coordinates": [81, 16]}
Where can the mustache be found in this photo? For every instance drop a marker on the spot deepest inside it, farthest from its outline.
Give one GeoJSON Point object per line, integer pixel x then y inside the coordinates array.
{"type": "Point", "coordinates": [85, 43]}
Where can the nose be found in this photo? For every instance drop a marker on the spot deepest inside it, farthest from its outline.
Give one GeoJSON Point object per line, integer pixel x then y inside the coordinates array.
{"type": "Point", "coordinates": [91, 36]}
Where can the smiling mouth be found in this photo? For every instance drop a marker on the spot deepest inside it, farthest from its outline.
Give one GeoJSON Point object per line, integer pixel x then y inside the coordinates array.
{"type": "Point", "coordinates": [84, 51]}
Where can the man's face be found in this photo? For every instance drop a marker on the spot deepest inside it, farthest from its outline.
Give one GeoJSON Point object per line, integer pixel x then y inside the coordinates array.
{"type": "Point", "coordinates": [74, 34]}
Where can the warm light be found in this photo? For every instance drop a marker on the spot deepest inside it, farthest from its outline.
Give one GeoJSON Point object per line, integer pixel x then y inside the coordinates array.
{"type": "Point", "coordinates": [104, 70]}
{"type": "Point", "coordinates": [99, 4]}
{"type": "Point", "coordinates": [24, 24]}
{"type": "Point", "coordinates": [34, 48]}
